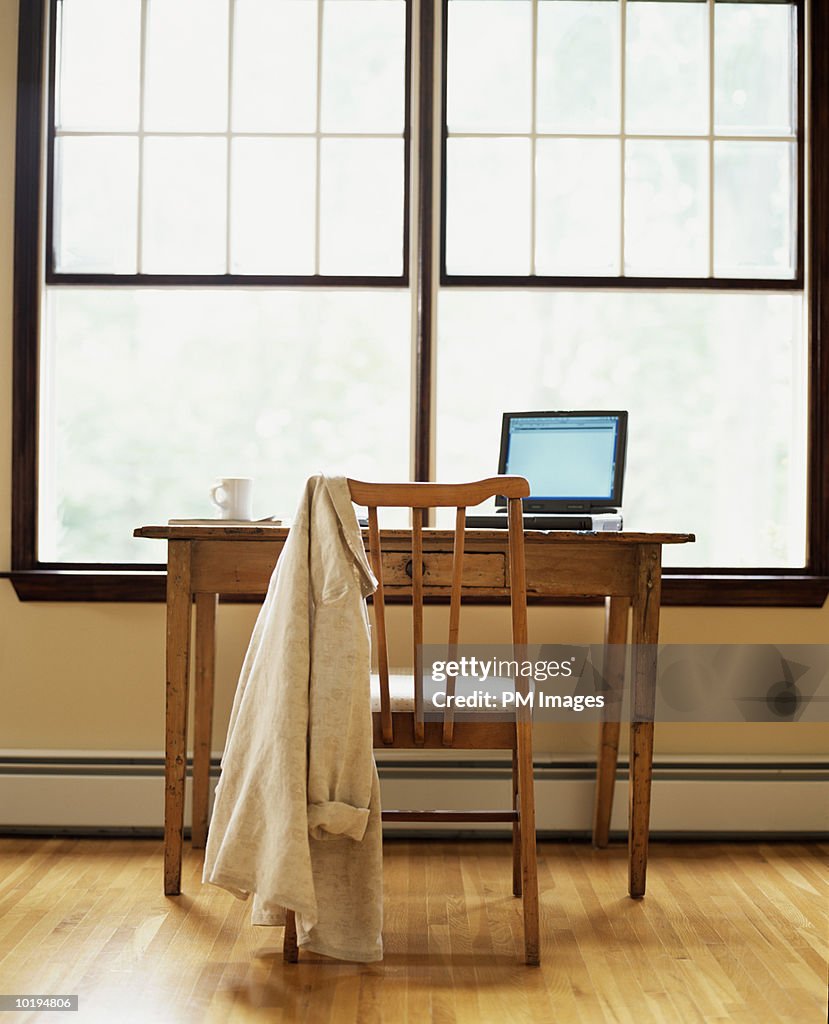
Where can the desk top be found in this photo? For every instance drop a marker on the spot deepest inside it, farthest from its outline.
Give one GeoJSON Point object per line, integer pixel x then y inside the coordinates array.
{"type": "Point", "coordinates": [264, 532]}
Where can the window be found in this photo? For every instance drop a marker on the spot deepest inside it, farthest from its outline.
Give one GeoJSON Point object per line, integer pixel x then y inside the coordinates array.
{"type": "Point", "coordinates": [223, 143]}
{"type": "Point", "coordinates": [158, 391]}
{"type": "Point", "coordinates": [256, 262]}
{"type": "Point", "coordinates": [603, 142]}
{"type": "Point", "coordinates": [714, 383]}
{"type": "Point", "coordinates": [600, 138]}
{"type": "Point", "coordinates": [228, 137]}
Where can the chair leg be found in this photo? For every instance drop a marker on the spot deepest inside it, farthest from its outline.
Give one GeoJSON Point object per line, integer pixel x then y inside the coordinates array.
{"type": "Point", "coordinates": [529, 865]}
{"type": "Point", "coordinates": [290, 950]}
{"type": "Point", "coordinates": [606, 761]}
{"type": "Point", "coordinates": [516, 831]}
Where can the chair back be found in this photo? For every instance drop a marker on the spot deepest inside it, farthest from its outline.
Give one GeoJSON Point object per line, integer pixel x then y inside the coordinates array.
{"type": "Point", "coordinates": [419, 497]}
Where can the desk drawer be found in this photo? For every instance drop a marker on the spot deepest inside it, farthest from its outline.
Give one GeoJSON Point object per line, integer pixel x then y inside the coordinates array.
{"type": "Point", "coordinates": [487, 569]}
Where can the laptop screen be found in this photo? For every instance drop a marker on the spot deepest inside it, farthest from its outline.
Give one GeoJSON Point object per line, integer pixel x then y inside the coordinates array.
{"type": "Point", "coordinates": [574, 461]}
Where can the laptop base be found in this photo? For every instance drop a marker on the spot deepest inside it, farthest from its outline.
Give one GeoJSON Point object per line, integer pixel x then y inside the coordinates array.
{"type": "Point", "coordinates": [592, 523]}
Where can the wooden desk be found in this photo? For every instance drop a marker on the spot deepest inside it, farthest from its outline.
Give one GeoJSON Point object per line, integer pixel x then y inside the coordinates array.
{"type": "Point", "coordinates": [625, 568]}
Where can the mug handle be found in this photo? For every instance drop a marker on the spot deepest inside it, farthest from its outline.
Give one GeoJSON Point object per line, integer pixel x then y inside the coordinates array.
{"type": "Point", "coordinates": [214, 490]}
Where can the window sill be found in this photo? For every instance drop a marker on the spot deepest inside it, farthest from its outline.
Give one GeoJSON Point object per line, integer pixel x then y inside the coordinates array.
{"type": "Point", "coordinates": [719, 590]}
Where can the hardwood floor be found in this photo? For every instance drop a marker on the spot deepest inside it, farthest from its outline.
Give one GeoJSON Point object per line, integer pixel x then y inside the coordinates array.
{"type": "Point", "coordinates": [727, 933]}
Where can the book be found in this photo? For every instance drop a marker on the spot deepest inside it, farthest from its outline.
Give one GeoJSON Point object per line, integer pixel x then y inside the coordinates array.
{"type": "Point", "coordinates": [271, 521]}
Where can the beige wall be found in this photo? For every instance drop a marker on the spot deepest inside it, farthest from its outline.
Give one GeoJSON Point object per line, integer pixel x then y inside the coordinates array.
{"type": "Point", "coordinates": [89, 676]}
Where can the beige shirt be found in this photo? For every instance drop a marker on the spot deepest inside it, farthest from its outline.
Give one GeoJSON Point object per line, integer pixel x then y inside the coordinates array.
{"type": "Point", "coordinates": [296, 819]}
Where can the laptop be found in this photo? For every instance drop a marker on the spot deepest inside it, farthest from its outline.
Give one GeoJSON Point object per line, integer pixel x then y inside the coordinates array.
{"type": "Point", "coordinates": [575, 463]}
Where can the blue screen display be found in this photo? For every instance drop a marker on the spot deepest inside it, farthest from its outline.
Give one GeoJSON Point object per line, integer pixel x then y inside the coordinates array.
{"type": "Point", "coordinates": [566, 457]}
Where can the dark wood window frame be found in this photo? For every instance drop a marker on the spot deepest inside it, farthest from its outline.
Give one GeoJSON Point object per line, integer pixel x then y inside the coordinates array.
{"type": "Point", "coordinates": [35, 580]}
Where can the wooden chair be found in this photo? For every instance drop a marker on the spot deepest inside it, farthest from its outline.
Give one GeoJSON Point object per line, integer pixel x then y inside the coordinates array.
{"type": "Point", "coordinates": [394, 728]}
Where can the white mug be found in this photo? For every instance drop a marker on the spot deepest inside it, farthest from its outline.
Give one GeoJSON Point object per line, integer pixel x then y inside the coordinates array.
{"type": "Point", "coordinates": [233, 496]}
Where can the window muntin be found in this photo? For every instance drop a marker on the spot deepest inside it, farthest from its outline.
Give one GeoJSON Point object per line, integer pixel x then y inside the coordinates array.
{"type": "Point", "coordinates": [692, 94]}
{"type": "Point", "coordinates": [147, 174]}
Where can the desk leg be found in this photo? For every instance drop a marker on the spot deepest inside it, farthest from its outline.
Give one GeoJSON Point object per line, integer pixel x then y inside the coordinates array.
{"type": "Point", "coordinates": [645, 634]}
{"type": "Point", "coordinates": [179, 603]}
{"type": "Point", "coordinates": [203, 713]}
{"type": "Point", "coordinates": [615, 638]}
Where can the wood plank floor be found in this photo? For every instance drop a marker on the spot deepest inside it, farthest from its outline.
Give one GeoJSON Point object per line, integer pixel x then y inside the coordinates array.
{"type": "Point", "coordinates": [727, 933]}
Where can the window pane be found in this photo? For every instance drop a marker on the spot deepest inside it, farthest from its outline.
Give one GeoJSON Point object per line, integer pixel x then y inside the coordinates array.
{"type": "Point", "coordinates": [754, 74]}
{"type": "Point", "coordinates": [715, 385]}
{"type": "Point", "coordinates": [361, 206]}
{"type": "Point", "coordinates": [488, 206]}
{"type": "Point", "coordinates": [578, 66]}
{"type": "Point", "coordinates": [667, 68]}
{"type": "Point", "coordinates": [184, 206]}
{"type": "Point", "coordinates": [490, 65]}
{"type": "Point", "coordinates": [96, 200]}
{"type": "Point", "coordinates": [98, 85]}
{"type": "Point", "coordinates": [272, 206]}
{"type": "Point", "coordinates": [753, 217]}
{"type": "Point", "coordinates": [186, 65]}
{"type": "Point", "coordinates": [142, 422]}
{"type": "Point", "coordinates": [666, 208]}
{"type": "Point", "coordinates": [577, 206]}
{"type": "Point", "coordinates": [275, 66]}
{"type": "Point", "coordinates": [363, 65]}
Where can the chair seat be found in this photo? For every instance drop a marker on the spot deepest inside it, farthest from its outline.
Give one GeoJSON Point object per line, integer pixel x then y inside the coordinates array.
{"type": "Point", "coordinates": [401, 692]}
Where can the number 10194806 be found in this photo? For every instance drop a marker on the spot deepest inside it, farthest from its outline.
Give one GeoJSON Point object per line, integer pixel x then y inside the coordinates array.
{"type": "Point", "coordinates": [38, 1002]}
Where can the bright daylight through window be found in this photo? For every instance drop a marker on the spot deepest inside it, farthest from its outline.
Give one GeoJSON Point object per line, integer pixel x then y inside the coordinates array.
{"type": "Point", "coordinates": [232, 199]}
{"type": "Point", "coordinates": [605, 140]}
{"type": "Point", "coordinates": [243, 138]}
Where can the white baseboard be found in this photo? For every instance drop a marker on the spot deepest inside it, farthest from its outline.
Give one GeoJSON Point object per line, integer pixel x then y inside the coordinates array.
{"type": "Point", "coordinates": [690, 795]}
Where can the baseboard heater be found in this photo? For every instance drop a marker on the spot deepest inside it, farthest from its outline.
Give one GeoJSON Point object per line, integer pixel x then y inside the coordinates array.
{"type": "Point", "coordinates": [86, 793]}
